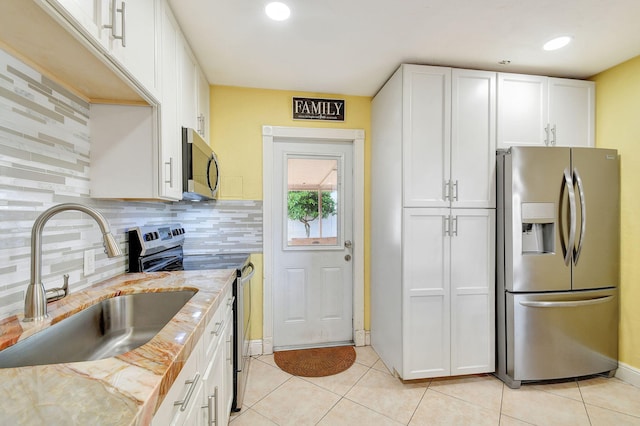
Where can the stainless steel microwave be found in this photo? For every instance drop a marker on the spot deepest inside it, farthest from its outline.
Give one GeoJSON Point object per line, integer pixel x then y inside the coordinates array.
{"type": "Point", "coordinates": [200, 173]}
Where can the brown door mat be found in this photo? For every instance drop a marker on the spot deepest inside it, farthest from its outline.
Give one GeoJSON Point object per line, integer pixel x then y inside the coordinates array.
{"type": "Point", "coordinates": [316, 362]}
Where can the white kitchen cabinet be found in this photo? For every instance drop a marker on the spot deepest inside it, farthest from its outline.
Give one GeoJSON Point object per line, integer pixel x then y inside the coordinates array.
{"type": "Point", "coordinates": [124, 31]}
{"type": "Point", "coordinates": [139, 51]}
{"type": "Point", "coordinates": [543, 111]}
{"type": "Point", "coordinates": [432, 254]}
{"type": "Point", "coordinates": [203, 106]}
{"type": "Point", "coordinates": [448, 279]}
{"type": "Point", "coordinates": [195, 93]}
{"type": "Point", "coordinates": [170, 138]}
{"type": "Point", "coordinates": [201, 395]}
{"type": "Point", "coordinates": [89, 15]}
{"type": "Point", "coordinates": [448, 136]}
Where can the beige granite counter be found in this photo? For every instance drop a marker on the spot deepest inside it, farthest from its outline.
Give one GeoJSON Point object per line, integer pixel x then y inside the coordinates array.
{"type": "Point", "coordinates": [123, 390]}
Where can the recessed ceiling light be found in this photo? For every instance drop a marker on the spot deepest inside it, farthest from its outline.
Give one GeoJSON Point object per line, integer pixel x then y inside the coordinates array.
{"type": "Point", "coordinates": [557, 43]}
{"type": "Point", "coordinates": [277, 11]}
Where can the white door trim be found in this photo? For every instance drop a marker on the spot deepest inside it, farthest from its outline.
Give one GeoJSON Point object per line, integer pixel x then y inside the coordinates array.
{"type": "Point", "coordinates": [353, 136]}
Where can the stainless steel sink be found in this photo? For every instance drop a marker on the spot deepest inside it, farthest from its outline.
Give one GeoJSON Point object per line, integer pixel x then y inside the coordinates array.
{"type": "Point", "coordinates": [109, 328]}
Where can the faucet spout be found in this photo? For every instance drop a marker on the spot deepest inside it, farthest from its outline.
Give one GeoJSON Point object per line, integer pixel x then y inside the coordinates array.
{"type": "Point", "coordinates": [35, 303]}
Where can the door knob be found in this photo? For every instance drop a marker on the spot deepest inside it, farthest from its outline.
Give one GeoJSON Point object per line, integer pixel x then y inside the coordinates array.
{"type": "Point", "coordinates": [348, 244]}
{"type": "Point", "coordinates": [347, 257]}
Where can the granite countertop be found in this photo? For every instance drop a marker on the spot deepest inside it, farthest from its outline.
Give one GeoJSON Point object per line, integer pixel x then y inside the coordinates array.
{"type": "Point", "coordinates": [123, 390]}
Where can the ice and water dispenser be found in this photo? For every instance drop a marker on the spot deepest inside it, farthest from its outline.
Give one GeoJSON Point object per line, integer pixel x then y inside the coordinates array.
{"type": "Point", "coordinates": [538, 228]}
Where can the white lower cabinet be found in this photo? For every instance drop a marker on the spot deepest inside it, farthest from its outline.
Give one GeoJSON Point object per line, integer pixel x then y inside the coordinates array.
{"type": "Point", "coordinates": [448, 257]}
{"type": "Point", "coordinates": [203, 392]}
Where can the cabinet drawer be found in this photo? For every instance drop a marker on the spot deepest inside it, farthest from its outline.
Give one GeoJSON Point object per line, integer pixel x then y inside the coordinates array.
{"type": "Point", "coordinates": [215, 328]}
{"type": "Point", "coordinates": [187, 389]}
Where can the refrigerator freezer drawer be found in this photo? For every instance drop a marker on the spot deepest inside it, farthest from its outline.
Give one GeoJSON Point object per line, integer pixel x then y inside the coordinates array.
{"type": "Point", "coordinates": [561, 335]}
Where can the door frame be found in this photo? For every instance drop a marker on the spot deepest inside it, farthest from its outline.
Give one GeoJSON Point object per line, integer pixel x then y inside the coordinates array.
{"type": "Point", "coordinates": [271, 134]}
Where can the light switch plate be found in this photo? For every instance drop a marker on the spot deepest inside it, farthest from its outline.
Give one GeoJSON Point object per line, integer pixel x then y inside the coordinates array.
{"type": "Point", "coordinates": [89, 262]}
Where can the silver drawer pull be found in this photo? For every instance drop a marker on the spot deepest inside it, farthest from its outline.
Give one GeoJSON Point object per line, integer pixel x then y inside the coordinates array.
{"type": "Point", "coordinates": [183, 404]}
{"type": "Point", "coordinates": [218, 328]}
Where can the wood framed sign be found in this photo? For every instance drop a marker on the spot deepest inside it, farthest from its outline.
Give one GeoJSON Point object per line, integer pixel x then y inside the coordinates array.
{"type": "Point", "coordinates": [318, 109]}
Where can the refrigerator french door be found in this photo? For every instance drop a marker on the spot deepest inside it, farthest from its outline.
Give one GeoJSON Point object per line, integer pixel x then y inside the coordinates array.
{"type": "Point", "coordinates": [557, 263]}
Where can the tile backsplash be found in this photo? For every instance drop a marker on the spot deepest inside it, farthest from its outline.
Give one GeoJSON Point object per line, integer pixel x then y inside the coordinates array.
{"type": "Point", "coordinates": [44, 161]}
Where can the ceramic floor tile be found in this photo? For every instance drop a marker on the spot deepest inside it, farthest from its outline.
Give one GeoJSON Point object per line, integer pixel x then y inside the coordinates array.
{"type": "Point", "coordinates": [542, 408]}
{"type": "Point", "coordinates": [250, 417]}
{"type": "Point", "coordinates": [263, 379]}
{"type": "Point", "coordinates": [297, 402]}
{"type": "Point", "coordinates": [482, 390]}
{"type": "Point", "coordinates": [613, 394]}
{"type": "Point", "coordinates": [438, 409]}
{"type": "Point", "coordinates": [387, 395]}
{"type": "Point", "coordinates": [603, 417]}
{"type": "Point", "coordinates": [268, 359]}
{"type": "Point", "coordinates": [568, 389]}
{"type": "Point", "coordinates": [365, 355]}
{"type": "Point", "coordinates": [340, 383]}
{"type": "Point", "coordinates": [379, 365]}
{"type": "Point", "coordinates": [348, 413]}
{"type": "Point", "coordinates": [510, 421]}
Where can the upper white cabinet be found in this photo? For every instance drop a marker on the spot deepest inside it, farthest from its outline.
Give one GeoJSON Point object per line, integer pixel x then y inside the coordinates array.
{"type": "Point", "coordinates": [125, 31]}
{"type": "Point", "coordinates": [195, 90]}
{"type": "Point", "coordinates": [133, 41]}
{"type": "Point", "coordinates": [448, 136]}
{"type": "Point", "coordinates": [538, 111]}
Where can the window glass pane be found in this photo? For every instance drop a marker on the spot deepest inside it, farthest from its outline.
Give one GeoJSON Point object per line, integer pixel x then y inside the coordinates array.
{"type": "Point", "coordinates": [312, 202]}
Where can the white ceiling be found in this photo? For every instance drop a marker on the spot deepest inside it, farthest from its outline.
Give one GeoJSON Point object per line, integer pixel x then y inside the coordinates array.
{"type": "Point", "coordinates": [351, 47]}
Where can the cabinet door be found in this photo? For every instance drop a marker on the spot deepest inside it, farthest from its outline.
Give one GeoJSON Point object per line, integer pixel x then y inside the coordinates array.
{"type": "Point", "coordinates": [90, 15]}
{"type": "Point", "coordinates": [188, 77]}
{"type": "Point", "coordinates": [425, 317]}
{"type": "Point", "coordinates": [170, 132]}
{"type": "Point", "coordinates": [426, 135]}
{"type": "Point", "coordinates": [203, 106]}
{"type": "Point", "coordinates": [213, 406]}
{"type": "Point", "coordinates": [139, 23]}
{"type": "Point", "coordinates": [572, 112]}
{"type": "Point", "coordinates": [522, 110]}
{"type": "Point", "coordinates": [473, 138]}
{"type": "Point", "coordinates": [472, 291]}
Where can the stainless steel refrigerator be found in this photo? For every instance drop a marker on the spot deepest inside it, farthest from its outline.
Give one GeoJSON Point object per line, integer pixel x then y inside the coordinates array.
{"type": "Point", "coordinates": [557, 263]}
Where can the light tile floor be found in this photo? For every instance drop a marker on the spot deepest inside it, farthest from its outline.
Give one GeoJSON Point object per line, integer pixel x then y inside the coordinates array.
{"type": "Point", "coordinates": [367, 394]}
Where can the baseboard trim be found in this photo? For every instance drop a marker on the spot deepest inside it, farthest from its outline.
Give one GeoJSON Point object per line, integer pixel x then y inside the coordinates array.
{"type": "Point", "coordinates": [255, 347]}
{"type": "Point", "coordinates": [367, 338]}
{"type": "Point", "coordinates": [628, 374]}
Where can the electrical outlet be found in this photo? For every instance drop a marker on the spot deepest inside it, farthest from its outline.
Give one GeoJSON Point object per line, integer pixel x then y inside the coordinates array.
{"type": "Point", "coordinates": [89, 262]}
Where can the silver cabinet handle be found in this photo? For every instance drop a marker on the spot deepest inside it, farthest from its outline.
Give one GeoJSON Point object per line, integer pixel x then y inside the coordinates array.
{"type": "Point", "coordinates": [218, 328]}
{"type": "Point", "coordinates": [553, 133]}
{"type": "Point", "coordinates": [446, 190]}
{"type": "Point", "coordinates": [454, 226]}
{"type": "Point", "coordinates": [170, 164]}
{"type": "Point", "coordinates": [546, 131]}
{"type": "Point", "coordinates": [445, 226]}
{"type": "Point", "coordinates": [212, 405]}
{"type": "Point", "coordinates": [563, 304]}
{"type": "Point", "coordinates": [583, 216]}
{"type": "Point", "coordinates": [183, 404]}
{"type": "Point", "coordinates": [114, 13]}
{"type": "Point", "coordinates": [568, 181]}
{"type": "Point", "coordinates": [455, 191]}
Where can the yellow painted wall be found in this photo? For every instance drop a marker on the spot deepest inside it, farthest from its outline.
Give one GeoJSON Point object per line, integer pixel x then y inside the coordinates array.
{"type": "Point", "coordinates": [237, 117]}
{"type": "Point", "coordinates": [618, 126]}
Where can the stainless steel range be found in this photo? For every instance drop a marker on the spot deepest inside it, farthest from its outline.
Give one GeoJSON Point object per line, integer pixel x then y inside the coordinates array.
{"type": "Point", "coordinates": [160, 248]}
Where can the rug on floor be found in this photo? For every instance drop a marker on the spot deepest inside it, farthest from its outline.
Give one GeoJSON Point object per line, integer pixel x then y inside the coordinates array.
{"type": "Point", "coordinates": [316, 362]}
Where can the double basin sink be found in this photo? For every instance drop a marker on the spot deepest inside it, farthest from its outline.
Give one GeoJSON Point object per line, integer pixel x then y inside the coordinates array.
{"type": "Point", "coordinates": [110, 327]}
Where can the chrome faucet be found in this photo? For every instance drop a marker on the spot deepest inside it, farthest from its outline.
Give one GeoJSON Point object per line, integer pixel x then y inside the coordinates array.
{"type": "Point", "coordinates": [35, 302]}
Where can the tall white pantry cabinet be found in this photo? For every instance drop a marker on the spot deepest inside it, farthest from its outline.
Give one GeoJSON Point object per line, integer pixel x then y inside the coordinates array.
{"type": "Point", "coordinates": [433, 221]}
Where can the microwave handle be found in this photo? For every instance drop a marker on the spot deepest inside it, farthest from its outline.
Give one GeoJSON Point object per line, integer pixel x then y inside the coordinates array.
{"type": "Point", "coordinates": [213, 160]}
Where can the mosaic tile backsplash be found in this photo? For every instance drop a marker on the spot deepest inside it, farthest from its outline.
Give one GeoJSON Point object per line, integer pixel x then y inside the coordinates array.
{"type": "Point", "coordinates": [44, 161]}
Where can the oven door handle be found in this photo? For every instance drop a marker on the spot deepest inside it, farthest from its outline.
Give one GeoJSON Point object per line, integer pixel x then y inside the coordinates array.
{"type": "Point", "coordinates": [244, 276]}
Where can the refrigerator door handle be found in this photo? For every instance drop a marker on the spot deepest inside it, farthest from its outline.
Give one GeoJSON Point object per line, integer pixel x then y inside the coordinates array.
{"type": "Point", "coordinates": [568, 180]}
{"type": "Point", "coordinates": [583, 216]}
{"type": "Point", "coordinates": [565, 304]}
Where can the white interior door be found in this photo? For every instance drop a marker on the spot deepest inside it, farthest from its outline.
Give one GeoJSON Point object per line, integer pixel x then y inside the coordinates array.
{"type": "Point", "coordinates": [312, 221]}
